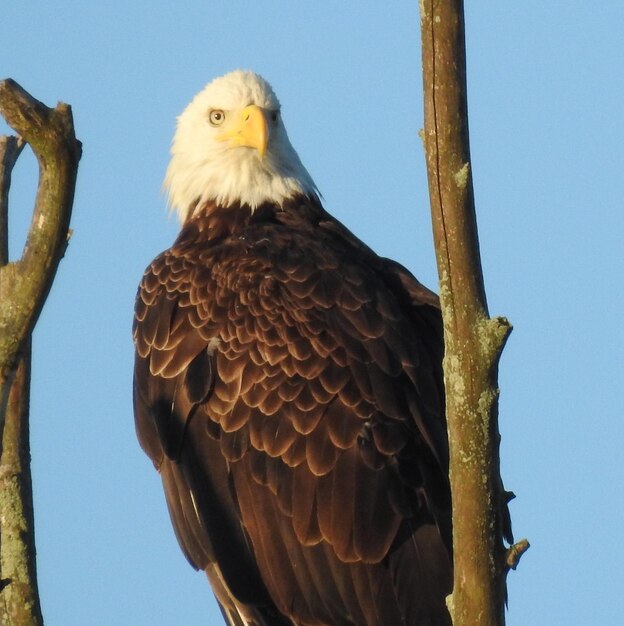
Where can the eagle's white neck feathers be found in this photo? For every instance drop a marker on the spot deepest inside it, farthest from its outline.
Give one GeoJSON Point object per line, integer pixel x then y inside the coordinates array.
{"type": "Point", "coordinates": [204, 168]}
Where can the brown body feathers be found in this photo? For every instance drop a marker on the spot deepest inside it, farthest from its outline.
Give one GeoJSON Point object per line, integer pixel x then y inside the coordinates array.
{"type": "Point", "coordinates": [288, 388]}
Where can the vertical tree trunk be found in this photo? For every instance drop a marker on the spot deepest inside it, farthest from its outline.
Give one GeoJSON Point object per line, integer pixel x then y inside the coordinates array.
{"type": "Point", "coordinates": [473, 341]}
{"type": "Point", "coordinates": [17, 542]}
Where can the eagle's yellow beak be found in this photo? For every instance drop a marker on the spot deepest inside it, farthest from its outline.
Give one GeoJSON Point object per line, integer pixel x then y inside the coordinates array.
{"type": "Point", "coordinates": [250, 130]}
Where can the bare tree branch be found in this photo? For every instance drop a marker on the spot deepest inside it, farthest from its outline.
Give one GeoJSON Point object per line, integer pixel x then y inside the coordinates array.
{"type": "Point", "coordinates": [24, 286]}
{"type": "Point", "coordinates": [10, 149]}
{"type": "Point", "coordinates": [473, 341]}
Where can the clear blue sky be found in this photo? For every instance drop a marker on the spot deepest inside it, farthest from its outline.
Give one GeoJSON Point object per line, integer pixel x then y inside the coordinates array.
{"type": "Point", "coordinates": [546, 102]}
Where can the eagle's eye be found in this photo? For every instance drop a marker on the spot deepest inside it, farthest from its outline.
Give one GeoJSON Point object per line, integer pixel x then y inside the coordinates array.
{"type": "Point", "coordinates": [274, 116]}
{"type": "Point", "coordinates": [216, 117]}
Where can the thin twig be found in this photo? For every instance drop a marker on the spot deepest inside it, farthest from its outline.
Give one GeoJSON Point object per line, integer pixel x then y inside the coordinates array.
{"type": "Point", "coordinates": [10, 149]}
{"type": "Point", "coordinates": [515, 552]}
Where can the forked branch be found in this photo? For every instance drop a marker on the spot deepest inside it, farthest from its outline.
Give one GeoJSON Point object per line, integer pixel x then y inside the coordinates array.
{"type": "Point", "coordinates": [24, 286]}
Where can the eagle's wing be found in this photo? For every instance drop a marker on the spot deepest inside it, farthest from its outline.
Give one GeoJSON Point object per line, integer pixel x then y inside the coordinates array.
{"type": "Point", "coordinates": [173, 376]}
{"type": "Point", "coordinates": [293, 403]}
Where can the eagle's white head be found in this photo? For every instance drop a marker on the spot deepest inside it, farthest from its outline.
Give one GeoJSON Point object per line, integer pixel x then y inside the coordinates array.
{"type": "Point", "coordinates": [231, 146]}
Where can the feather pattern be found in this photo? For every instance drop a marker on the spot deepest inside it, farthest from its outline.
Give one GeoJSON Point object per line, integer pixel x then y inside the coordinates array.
{"type": "Point", "coordinates": [288, 388]}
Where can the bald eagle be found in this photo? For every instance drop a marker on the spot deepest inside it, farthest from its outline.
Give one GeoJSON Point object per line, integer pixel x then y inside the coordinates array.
{"type": "Point", "coordinates": [288, 388]}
